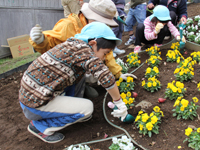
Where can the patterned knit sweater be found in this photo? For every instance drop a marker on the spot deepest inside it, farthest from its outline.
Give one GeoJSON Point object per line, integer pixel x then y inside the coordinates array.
{"type": "Point", "coordinates": [61, 66]}
{"type": "Point", "coordinates": [150, 29]}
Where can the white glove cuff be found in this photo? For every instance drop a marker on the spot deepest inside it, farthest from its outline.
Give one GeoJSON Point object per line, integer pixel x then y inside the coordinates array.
{"type": "Point", "coordinates": [40, 40]}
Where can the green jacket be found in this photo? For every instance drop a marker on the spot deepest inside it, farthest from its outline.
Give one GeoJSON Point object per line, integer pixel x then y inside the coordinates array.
{"type": "Point", "coordinates": [137, 2]}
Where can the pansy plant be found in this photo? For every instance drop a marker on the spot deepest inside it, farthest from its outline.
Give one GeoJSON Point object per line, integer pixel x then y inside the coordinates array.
{"type": "Point", "coordinates": [149, 123]}
{"type": "Point", "coordinates": [184, 109]}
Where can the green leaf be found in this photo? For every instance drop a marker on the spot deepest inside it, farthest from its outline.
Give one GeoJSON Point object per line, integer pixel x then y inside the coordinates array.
{"type": "Point", "coordinates": [150, 133]}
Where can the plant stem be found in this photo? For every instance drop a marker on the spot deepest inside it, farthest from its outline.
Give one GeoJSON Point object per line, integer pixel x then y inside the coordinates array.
{"type": "Point", "coordinates": [165, 133]}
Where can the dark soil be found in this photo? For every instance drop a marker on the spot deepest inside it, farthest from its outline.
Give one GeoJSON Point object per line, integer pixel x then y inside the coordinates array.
{"type": "Point", "coordinates": [13, 124]}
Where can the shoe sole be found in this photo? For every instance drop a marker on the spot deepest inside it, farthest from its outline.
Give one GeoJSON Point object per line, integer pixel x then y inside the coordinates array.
{"type": "Point", "coordinates": [86, 119]}
{"type": "Point", "coordinates": [43, 138]}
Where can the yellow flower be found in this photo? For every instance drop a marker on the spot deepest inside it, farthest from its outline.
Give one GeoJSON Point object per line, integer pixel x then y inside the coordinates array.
{"type": "Point", "coordinates": [179, 147]}
{"type": "Point", "coordinates": [153, 61]}
{"type": "Point", "coordinates": [145, 117]}
{"type": "Point", "coordinates": [156, 109]}
{"type": "Point", "coordinates": [129, 79]}
{"type": "Point", "coordinates": [156, 69]}
{"type": "Point", "coordinates": [188, 131]}
{"type": "Point", "coordinates": [137, 118]}
{"type": "Point", "coordinates": [140, 112]}
{"type": "Point", "coordinates": [178, 60]}
{"type": "Point", "coordinates": [198, 130]}
{"type": "Point", "coordinates": [120, 79]}
{"type": "Point", "coordinates": [195, 99]}
{"type": "Point", "coordinates": [162, 113]}
{"type": "Point", "coordinates": [151, 114]}
{"type": "Point", "coordinates": [174, 89]}
{"type": "Point", "coordinates": [179, 90]}
{"type": "Point", "coordinates": [141, 126]}
{"type": "Point", "coordinates": [148, 70]}
{"type": "Point", "coordinates": [128, 94]}
{"type": "Point", "coordinates": [143, 82]}
{"type": "Point", "coordinates": [198, 85]}
{"type": "Point", "coordinates": [154, 119]}
{"type": "Point", "coordinates": [125, 101]}
{"type": "Point", "coordinates": [184, 102]}
{"type": "Point", "coordinates": [182, 108]}
{"type": "Point", "coordinates": [118, 83]}
{"type": "Point", "coordinates": [149, 126]}
{"type": "Point", "coordinates": [176, 103]}
{"type": "Point", "coordinates": [123, 95]}
{"type": "Point", "coordinates": [154, 84]}
{"type": "Point", "coordinates": [176, 70]}
{"type": "Point", "coordinates": [149, 84]}
{"type": "Point", "coordinates": [131, 100]}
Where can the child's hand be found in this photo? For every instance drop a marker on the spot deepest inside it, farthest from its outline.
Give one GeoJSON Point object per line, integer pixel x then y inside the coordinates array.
{"type": "Point", "coordinates": [124, 76]}
{"type": "Point", "coordinates": [150, 6]}
{"type": "Point", "coordinates": [178, 38]}
{"type": "Point", "coordinates": [121, 111]}
{"type": "Point", "coordinates": [158, 27]}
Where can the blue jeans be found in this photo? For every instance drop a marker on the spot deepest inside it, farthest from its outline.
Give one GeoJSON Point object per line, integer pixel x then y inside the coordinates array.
{"type": "Point", "coordinates": [137, 14]}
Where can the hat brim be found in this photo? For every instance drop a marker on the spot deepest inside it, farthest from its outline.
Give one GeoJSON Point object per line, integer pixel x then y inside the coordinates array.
{"type": "Point", "coordinates": [160, 18]}
{"type": "Point", "coordinates": [89, 14]}
{"type": "Point", "coordinates": [118, 41]}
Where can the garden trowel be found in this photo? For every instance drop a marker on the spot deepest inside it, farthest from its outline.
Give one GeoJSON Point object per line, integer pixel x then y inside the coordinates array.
{"type": "Point", "coordinates": [182, 44]}
{"type": "Point", "coordinates": [120, 19]}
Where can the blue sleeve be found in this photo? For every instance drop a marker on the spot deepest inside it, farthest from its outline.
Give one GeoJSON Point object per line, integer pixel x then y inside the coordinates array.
{"type": "Point", "coordinates": [182, 9]}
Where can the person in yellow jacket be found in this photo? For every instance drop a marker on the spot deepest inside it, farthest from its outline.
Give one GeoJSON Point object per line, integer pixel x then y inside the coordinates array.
{"type": "Point", "coordinates": [96, 10]}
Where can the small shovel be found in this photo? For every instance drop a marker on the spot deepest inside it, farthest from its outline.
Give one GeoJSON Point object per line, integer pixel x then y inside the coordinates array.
{"type": "Point", "coordinates": [182, 44]}
{"type": "Point", "coordinates": [120, 19]}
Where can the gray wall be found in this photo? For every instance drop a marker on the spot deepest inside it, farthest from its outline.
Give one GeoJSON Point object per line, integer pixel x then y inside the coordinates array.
{"type": "Point", "coordinates": [19, 16]}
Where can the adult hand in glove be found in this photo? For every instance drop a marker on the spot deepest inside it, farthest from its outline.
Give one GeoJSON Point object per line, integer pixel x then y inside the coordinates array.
{"type": "Point", "coordinates": [178, 38]}
{"type": "Point", "coordinates": [121, 111]}
{"type": "Point", "coordinates": [90, 78]}
{"type": "Point", "coordinates": [158, 27]}
{"type": "Point", "coordinates": [124, 76]}
{"type": "Point", "coordinates": [36, 34]}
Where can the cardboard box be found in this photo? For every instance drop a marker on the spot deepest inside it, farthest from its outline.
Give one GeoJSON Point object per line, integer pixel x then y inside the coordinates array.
{"type": "Point", "coordinates": [20, 46]}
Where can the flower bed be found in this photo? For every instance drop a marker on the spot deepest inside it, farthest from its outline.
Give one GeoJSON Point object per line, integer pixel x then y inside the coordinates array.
{"type": "Point", "coordinates": [192, 32]}
{"type": "Point", "coordinates": [171, 127]}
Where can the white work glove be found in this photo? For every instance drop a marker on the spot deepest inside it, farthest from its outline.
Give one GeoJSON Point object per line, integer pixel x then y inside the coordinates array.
{"type": "Point", "coordinates": [178, 38]}
{"type": "Point", "coordinates": [121, 111]}
{"type": "Point", "coordinates": [36, 34]}
{"type": "Point", "coordinates": [158, 27]}
{"type": "Point", "coordinates": [89, 78]}
{"type": "Point", "coordinates": [124, 76]}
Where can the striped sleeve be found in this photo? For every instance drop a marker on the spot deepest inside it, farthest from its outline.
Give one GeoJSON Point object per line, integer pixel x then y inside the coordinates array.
{"type": "Point", "coordinates": [149, 30]}
{"type": "Point", "coordinates": [174, 31]}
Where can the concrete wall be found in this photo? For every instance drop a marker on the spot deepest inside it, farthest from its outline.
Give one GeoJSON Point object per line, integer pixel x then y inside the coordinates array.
{"type": "Point", "coordinates": [19, 16]}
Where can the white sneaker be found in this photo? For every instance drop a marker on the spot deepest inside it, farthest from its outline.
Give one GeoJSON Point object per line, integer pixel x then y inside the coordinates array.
{"type": "Point", "coordinates": [118, 51]}
{"type": "Point", "coordinates": [114, 55]}
{"type": "Point", "coordinates": [131, 40]}
{"type": "Point", "coordinates": [167, 38]}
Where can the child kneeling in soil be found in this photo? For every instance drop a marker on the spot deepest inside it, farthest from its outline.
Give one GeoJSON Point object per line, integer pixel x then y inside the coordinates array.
{"type": "Point", "coordinates": [155, 28]}
{"type": "Point", "coordinates": [62, 67]}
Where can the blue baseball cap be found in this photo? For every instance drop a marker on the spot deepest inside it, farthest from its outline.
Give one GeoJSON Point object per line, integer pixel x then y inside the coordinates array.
{"type": "Point", "coordinates": [97, 30]}
{"type": "Point", "coordinates": [161, 12]}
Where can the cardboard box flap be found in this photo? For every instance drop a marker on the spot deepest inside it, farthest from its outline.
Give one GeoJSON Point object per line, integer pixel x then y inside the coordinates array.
{"type": "Point", "coordinates": [18, 40]}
